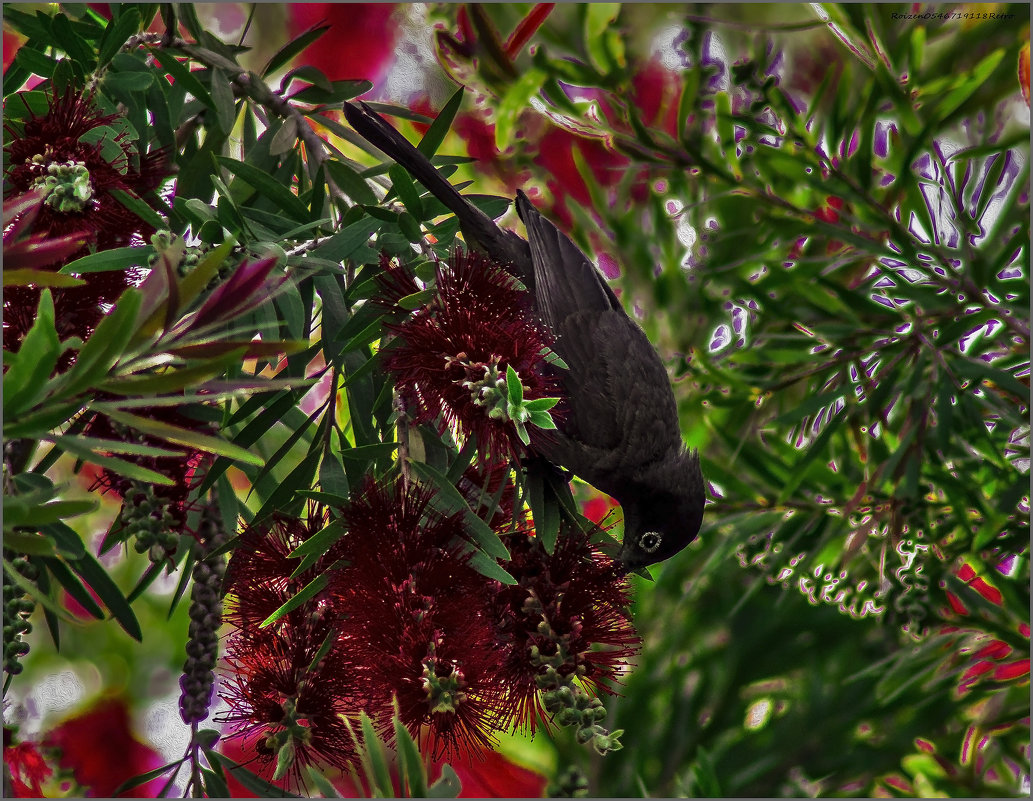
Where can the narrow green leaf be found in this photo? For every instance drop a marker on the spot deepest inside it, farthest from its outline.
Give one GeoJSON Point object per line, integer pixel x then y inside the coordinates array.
{"type": "Point", "coordinates": [255, 784]}
{"type": "Point", "coordinates": [268, 187]}
{"type": "Point", "coordinates": [378, 757]}
{"type": "Point", "coordinates": [71, 445]}
{"type": "Point", "coordinates": [349, 180]}
{"type": "Point", "coordinates": [514, 101]}
{"type": "Point", "coordinates": [369, 453]}
{"type": "Point", "coordinates": [514, 389]}
{"type": "Point", "coordinates": [41, 278]}
{"type": "Point", "coordinates": [182, 436]}
{"type": "Point", "coordinates": [411, 771]}
{"type": "Point", "coordinates": [26, 379]}
{"type": "Point", "coordinates": [438, 129]}
{"type": "Point", "coordinates": [37, 593]}
{"type": "Point", "coordinates": [452, 500]}
{"type": "Point", "coordinates": [293, 48]}
{"type": "Point", "coordinates": [97, 578]}
{"type": "Point", "coordinates": [139, 208]}
{"type": "Point", "coordinates": [73, 586]}
{"type": "Point", "coordinates": [115, 35]}
{"type": "Point", "coordinates": [344, 243]}
{"type": "Point", "coordinates": [321, 783]}
{"type": "Point", "coordinates": [307, 592]}
{"type": "Point", "coordinates": [23, 542]}
{"type": "Point", "coordinates": [114, 259]}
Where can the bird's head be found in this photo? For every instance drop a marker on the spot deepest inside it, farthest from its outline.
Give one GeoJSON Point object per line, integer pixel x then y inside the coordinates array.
{"type": "Point", "coordinates": [665, 516]}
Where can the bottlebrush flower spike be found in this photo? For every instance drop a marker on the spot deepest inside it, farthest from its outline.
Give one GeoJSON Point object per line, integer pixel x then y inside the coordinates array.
{"type": "Point", "coordinates": [552, 622]}
{"type": "Point", "coordinates": [415, 617]}
{"type": "Point", "coordinates": [473, 359]}
{"type": "Point", "coordinates": [259, 577]}
{"type": "Point", "coordinates": [70, 157]}
{"type": "Point", "coordinates": [287, 703]}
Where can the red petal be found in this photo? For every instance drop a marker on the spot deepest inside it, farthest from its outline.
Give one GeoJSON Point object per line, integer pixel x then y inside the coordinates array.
{"type": "Point", "coordinates": [1012, 670]}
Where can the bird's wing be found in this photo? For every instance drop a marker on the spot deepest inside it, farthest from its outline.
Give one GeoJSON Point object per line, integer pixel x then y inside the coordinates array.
{"type": "Point", "coordinates": [625, 418]}
{"type": "Point", "coordinates": [565, 281]}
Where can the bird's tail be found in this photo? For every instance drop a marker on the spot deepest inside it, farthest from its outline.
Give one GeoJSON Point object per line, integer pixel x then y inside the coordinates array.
{"type": "Point", "coordinates": [478, 228]}
{"type": "Point", "coordinates": [379, 133]}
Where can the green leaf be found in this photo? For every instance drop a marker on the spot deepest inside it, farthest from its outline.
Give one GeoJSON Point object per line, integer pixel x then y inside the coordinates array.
{"type": "Point", "coordinates": [406, 189]}
{"type": "Point", "coordinates": [72, 445]}
{"type": "Point", "coordinates": [182, 436]}
{"type": "Point", "coordinates": [377, 756]}
{"type": "Point", "coordinates": [514, 101]}
{"type": "Point", "coordinates": [114, 259]}
{"type": "Point", "coordinates": [16, 514]}
{"type": "Point", "coordinates": [342, 90]}
{"type": "Point", "coordinates": [411, 771]}
{"type": "Point", "coordinates": [139, 208]}
{"type": "Point", "coordinates": [41, 278]}
{"type": "Point", "coordinates": [25, 543]}
{"type": "Point", "coordinates": [307, 592]}
{"type": "Point", "coordinates": [344, 243]}
{"type": "Point", "coordinates": [26, 378]}
{"type": "Point", "coordinates": [320, 782]}
{"type": "Point", "coordinates": [180, 72]}
{"type": "Point", "coordinates": [448, 784]}
{"type": "Point", "coordinates": [255, 784]}
{"type": "Point", "coordinates": [267, 187]}
{"type": "Point", "coordinates": [349, 180]}
{"type": "Point", "coordinates": [294, 47]}
{"type": "Point", "coordinates": [98, 579]}
{"type": "Point", "coordinates": [599, 19]}
{"type": "Point", "coordinates": [73, 586]}
{"type": "Point", "coordinates": [453, 501]}
{"type": "Point", "coordinates": [36, 593]}
{"type": "Point", "coordinates": [514, 389]}
{"type": "Point", "coordinates": [115, 35]}
{"type": "Point", "coordinates": [438, 129]}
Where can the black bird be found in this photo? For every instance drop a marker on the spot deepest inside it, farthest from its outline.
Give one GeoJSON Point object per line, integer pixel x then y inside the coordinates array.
{"type": "Point", "coordinates": [620, 431]}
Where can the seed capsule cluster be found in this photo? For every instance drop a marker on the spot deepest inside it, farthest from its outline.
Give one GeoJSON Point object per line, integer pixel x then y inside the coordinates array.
{"type": "Point", "coordinates": [17, 608]}
{"type": "Point", "coordinates": [198, 679]}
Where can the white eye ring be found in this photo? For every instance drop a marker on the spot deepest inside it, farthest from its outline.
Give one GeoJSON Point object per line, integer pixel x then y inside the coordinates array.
{"type": "Point", "coordinates": [650, 541]}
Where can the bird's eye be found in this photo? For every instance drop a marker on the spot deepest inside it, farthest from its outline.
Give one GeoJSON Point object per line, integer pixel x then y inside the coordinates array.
{"type": "Point", "coordinates": [649, 541]}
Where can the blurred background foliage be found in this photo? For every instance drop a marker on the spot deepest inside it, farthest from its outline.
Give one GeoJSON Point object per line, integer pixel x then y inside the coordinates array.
{"type": "Point", "coordinates": [820, 214]}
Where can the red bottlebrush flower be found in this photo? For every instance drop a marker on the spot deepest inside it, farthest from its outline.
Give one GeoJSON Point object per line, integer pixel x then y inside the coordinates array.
{"type": "Point", "coordinates": [415, 617]}
{"type": "Point", "coordinates": [258, 578]}
{"type": "Point", "coordinates": [56, 153]}
{"type": "Point", "coordinates": [27, 768]}
{"type": "Point", "coordinates": [288, 702]}
{"type": "Point", "coordinates": [451, 357]}
{"type": "Point", "coordinates": [563, 607]}
{"type": "Point", "coordinates": [100, 750]}
{"type": "Point", "coordinates": [290, 684]}
{"type": "Point", "coordinates": [360, 43]}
